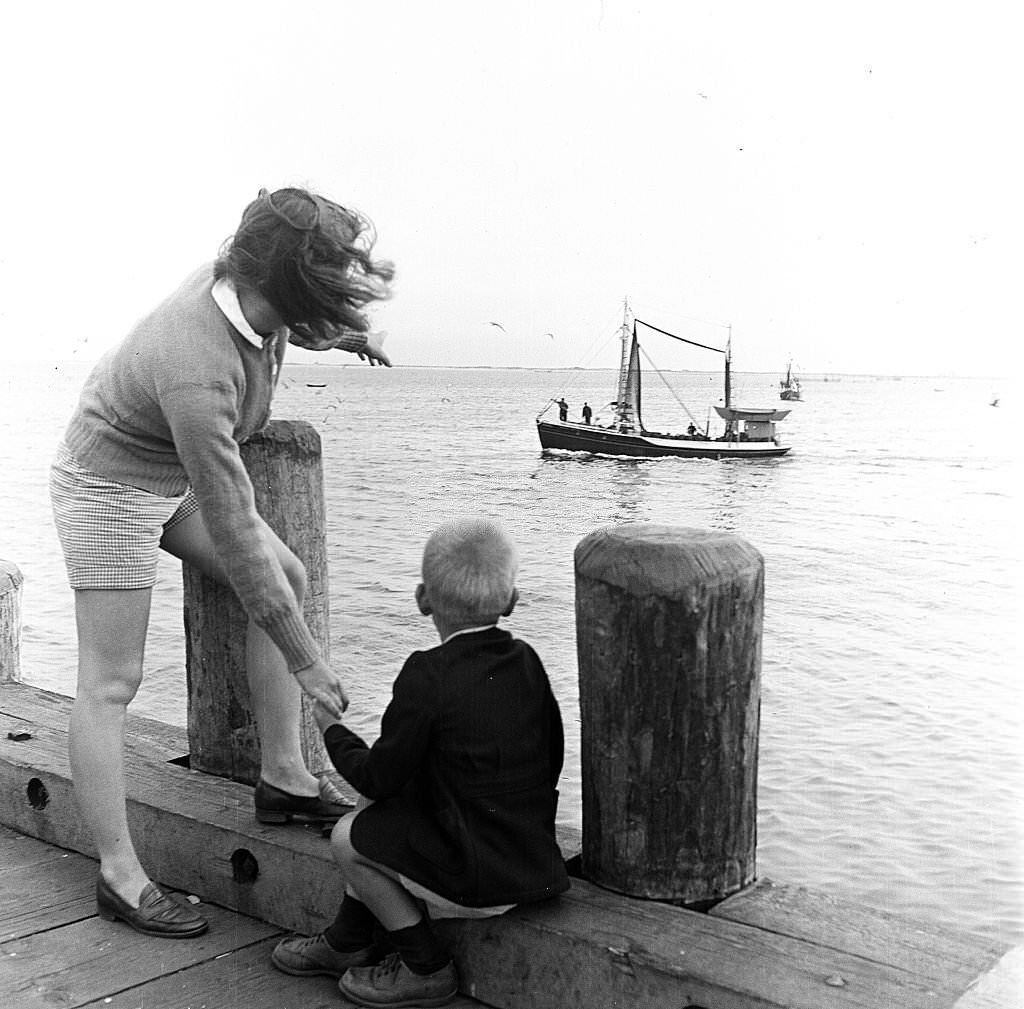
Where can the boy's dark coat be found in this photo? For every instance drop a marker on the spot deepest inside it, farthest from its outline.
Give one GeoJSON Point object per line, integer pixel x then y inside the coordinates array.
{"type": "Point", "coordinates": [464, 774]}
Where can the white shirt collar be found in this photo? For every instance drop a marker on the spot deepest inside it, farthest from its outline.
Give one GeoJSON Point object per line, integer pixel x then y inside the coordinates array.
{"type": "Point", "coordinates": [226, 296]}
{"type": "Point", "coordinates": [468, 630]}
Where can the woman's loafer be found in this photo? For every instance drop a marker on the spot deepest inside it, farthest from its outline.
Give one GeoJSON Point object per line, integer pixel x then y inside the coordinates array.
{"type": "Point", "coordinates": [157, 914]}
{"type": "Point", "coordinates": [276, 806]}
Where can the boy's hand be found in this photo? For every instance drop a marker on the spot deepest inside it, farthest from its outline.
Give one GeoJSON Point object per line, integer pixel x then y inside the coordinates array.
{"type": "Point", "coordinates": [324, 719]}
{"type": "Point", "coordinates": [324, 685]}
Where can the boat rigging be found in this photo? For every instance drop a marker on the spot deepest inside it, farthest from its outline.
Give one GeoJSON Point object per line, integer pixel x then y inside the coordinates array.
{"type": "Point", "coordinates": [789, 387]}
{"type": "Point", "coordinates": [749, 432]}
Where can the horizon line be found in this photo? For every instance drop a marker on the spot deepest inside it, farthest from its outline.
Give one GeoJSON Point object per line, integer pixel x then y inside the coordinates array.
{"type": "Point", "coordinates": [810, 376]}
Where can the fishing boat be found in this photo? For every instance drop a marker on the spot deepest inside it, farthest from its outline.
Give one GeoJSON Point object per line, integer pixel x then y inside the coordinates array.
{"type": "Point", "coordinates": [789, 387]}
{"type": "Point", "coordinates": [749, 431]}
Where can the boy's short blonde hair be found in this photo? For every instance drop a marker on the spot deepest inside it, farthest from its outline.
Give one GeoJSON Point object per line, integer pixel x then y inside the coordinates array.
{"type": "Point", "coordinates": [469, 569]}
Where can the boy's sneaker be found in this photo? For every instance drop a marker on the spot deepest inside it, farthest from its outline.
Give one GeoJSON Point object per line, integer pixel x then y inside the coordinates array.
{"type": "Point", "coordinates": [391, 984]}
{"type": "Point", "coordinates": [307, 957]}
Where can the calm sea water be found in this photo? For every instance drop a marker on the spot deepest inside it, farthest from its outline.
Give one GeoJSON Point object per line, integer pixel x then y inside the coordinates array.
{"type": "Point", "coordinates": [891, 751]}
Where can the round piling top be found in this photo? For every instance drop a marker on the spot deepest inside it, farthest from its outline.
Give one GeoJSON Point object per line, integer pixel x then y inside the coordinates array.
{"type": "Point", "coordinates": [300, 435]}
{"type": "Point", "coordinates": [645, 559]}
{"type": "Point", "coordinates": [10, 577]}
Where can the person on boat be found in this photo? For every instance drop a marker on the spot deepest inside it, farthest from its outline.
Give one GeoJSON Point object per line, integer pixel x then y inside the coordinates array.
{"type": "Point", "coordinates": [587, 413]}
{"type": "Point", "coordinates": [563, 409]}
{"type": "Point", "coordinates": [692, 430]}
{"type": "Point", "coordinates": [150, 458]}
{"type": "Point", "coordinates": [459, 790]}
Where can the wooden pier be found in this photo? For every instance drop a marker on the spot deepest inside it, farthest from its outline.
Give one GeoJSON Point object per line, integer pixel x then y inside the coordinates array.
{"type": "Point", "coordinates": [669, 815]}
{"type": "Point", "coordinates": [767, 947]}
{"type": "Point", "coordinates": [57, 952]}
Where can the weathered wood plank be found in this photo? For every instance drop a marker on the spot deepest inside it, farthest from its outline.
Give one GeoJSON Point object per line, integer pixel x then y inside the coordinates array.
{"type": "Point", "coordinates": [193, 831]}
{"type": "Point", "coordinates": [244, 979]}
{"type": "Point", "coordinates": [1002, 987]}
{"type": "Point", "coordinates": [590, 947]}
{"type": "Point", "coordinates": [146, 736]}
{"type": "Point", "coordinates": [11, 581]}
{"type": "Point", "coordinates": [596, 949]}
{"type": "Point", "coordinates": [46, 893]}
{"type": "Point", "coordinates": [148, 743]}
{"type": "Point", "coordinates": [35, 885]}
{"type": "Point", "coordinates": [950, 960]}
{"type": "Point", "coordinates": [19, 851]}
{"type": "Point", "coordinates": [32, 709]}
{"type": "Point", "coordinates": [92, 959]}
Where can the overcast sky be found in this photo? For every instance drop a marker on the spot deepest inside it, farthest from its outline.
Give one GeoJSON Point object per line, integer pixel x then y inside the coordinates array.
{"type": "Point", "coordinates": [839, 182]}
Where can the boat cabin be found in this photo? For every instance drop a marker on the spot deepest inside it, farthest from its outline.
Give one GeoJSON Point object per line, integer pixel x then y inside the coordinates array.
{"type": "Point", "coordinates": [758, 425]}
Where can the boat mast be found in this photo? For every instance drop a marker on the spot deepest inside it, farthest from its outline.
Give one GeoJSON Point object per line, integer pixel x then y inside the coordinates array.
{"type": "Point", "coordinates": [730, 425]}
{"type": "Point", "coordinates": [621, 409]}
{"type": "Point", "coordinates": [728, 361]}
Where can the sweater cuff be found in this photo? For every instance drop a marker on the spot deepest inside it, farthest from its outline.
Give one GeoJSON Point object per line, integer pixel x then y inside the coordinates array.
{"type": "Point", "coordinates": [352, 342]}
{"type": "Point", "coordinates": [295, 640]}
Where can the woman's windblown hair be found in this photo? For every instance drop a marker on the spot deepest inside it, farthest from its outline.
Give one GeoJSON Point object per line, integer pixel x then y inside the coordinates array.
{"type": "Point", "coordinates": [310, 258]}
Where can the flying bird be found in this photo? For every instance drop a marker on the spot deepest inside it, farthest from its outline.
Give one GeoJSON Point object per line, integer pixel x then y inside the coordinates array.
{"type": "Point", "coordinates": [501, 327]}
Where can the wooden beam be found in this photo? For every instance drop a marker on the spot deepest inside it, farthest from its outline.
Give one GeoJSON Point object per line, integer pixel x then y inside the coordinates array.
{"type": "Point", "coordinates": [193, 831]}
{"type": "Point", "coordinates": [150, 739]}
{"type": "Point", "coordinates": [999, 988]}
{"type": "Point", "coordinates": [949, 960]}
{"type": "Point", "coordinates": [11, 580]}
{"type": "Point", "coordinates": [589, 948]}
{"type": "Point", "coordinates": [600, 950]}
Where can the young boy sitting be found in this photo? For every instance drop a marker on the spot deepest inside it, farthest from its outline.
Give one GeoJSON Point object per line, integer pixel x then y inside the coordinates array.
{"type": "Point", "coordinates": [459, 790]}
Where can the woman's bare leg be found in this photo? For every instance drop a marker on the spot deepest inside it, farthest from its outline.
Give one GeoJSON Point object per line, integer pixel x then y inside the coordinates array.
{"type": "Point", "coordinates": [111, 643]}
{"type": "Point", "coordinates": [276, 695]}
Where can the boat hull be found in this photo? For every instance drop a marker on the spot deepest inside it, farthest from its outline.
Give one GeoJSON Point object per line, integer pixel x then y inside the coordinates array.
{"type": "Point", "coordinates": [591, 438]}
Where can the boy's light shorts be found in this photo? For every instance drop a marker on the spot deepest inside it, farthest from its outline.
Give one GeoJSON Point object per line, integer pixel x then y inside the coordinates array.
{"type": "Point", "coordinates": [441, 907]}
{"type": "Point", "coordinates": [437, 906]}
{"type": "Point", "coordinates": [110, 532]}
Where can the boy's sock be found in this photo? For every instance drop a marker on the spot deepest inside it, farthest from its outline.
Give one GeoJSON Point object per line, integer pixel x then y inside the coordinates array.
{"type": "Point", "coordinates": [420, 949]}
{"type": "Point", "coordinates": [352, 928]}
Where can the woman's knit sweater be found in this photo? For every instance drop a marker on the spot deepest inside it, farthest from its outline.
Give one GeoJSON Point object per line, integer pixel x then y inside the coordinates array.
{"type": "Point", "coordinates": [167, 408]}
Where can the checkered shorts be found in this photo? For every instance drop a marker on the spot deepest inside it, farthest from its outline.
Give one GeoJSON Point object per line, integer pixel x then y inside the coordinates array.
{"type": "Point", "coordinates": [110, 532]}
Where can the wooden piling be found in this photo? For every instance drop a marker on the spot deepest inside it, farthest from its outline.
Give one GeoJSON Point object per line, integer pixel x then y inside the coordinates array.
{"type": "Point", "coordinates": [285, 465]}
{"type": "Point", "coordinates": [11, 581]}
{"type": "Point", "coordinates": [668, 624]}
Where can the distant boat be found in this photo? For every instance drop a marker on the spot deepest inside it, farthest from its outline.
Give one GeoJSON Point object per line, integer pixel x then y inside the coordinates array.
{"type": "Point", "coordinates": [789, 387]}
{"type": "Point", "coordinates": [316, 385]}
{"type": "Point", "coordinates": [626, 435]}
